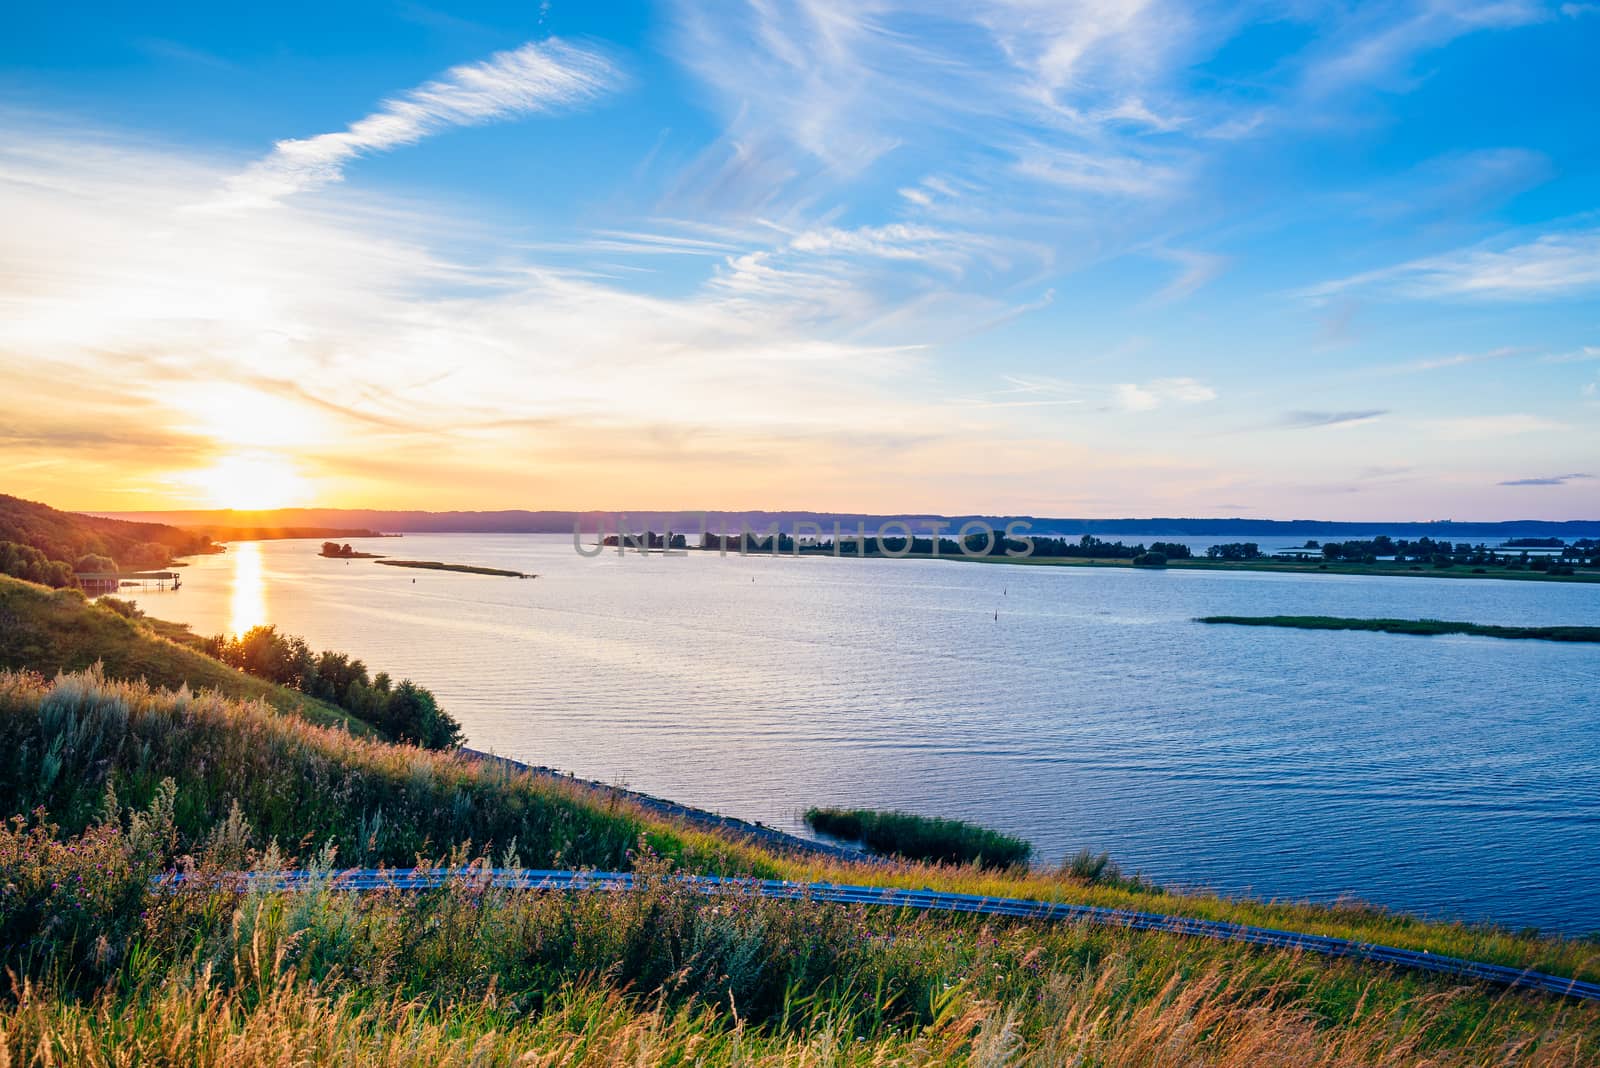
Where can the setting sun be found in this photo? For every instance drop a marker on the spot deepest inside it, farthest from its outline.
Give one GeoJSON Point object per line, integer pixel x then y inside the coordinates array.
{"type": "Point", "coordinates": [251, 481]}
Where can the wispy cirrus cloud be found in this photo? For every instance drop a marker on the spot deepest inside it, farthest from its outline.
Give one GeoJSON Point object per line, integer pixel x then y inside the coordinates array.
{"type": "Point", "coordinates": [1485, 427]}
{"type": "Point", "coordinates": [1550, 266]}
{"type": "Point", "coordinates": [1551, 480]}
{"type": "Point", "coordinates": [537, 77]}
{"type": "Point", "coordinates": [1379, 43]}
{"type": "Point", "coordinates": [1035, 391]}
{"type": "Point", "coordinates": [1308, 420]}
{"type": "Point", "coordinates": [1195, 270]}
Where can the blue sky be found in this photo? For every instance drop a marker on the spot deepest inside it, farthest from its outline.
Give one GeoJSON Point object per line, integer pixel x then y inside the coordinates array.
{"type": "Point", "coordinates": [1306, 259]}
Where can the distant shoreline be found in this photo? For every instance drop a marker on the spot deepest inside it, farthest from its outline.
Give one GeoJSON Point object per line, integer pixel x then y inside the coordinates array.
{"type": "Point", "coordinates": [1383, 570]}
{"type": "Point", "coordinates": [1379, 570]}
{"type": "Point", "coordinates": [1418, 627]}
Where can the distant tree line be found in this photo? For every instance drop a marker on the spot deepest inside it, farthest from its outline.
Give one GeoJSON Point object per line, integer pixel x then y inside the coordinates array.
{"type": "Point", "coordinates": [405, 712]}
{"type": "Point", "coordinates": [1583, 553]}
{"type": "Point", "coordinates": [647, 540]}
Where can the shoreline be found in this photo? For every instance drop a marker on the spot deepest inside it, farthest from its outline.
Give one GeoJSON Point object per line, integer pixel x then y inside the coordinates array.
{"type": "Point", "coordinates": [698, 817]}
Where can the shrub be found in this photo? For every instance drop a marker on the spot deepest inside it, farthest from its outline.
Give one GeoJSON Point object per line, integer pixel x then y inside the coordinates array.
{"type": "Point", "coordinates": [125, 609]}
{"type": "Point", "coordinates": [1150, 560]}
{"type": "Point", "coordinates": [74, 905]}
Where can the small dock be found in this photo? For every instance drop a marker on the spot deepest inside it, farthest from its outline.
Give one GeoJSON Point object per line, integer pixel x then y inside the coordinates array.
{"type": "Point", "coordinates": [96, 583]}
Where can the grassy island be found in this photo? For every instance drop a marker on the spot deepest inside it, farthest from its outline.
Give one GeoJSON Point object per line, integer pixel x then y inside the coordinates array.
{"type": "Point", "coordinates": [466, 569]}
{"type": "Point", "coordinates": [1412, 626]}
{"type": "Point", "coordinates": [903, 834]}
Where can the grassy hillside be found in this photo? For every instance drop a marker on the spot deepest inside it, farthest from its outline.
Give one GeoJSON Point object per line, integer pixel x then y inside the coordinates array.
{"type": "Point", "coordinates": [463, 975]}
{"type": "Point", "coordinates": [50, 631]}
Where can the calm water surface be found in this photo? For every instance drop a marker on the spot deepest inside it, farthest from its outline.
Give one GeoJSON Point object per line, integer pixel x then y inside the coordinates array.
{"type": "Point", "coordinates": [1451, 776]}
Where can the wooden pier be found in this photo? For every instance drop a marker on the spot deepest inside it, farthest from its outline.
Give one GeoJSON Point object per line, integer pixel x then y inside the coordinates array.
{"type": "Point", "coordinates": [96, 583]}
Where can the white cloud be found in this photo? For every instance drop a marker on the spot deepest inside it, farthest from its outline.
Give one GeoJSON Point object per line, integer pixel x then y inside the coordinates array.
{"type": "Point", "coordinates": [1378, 43]}
{"type": "Point", "coordinates": [537, 77]}
{"type": "Point", "coordinates": [1085, 172]}
{"type": "Point", "coordinates": [894, 241]}
{"type": "Point", "coordinates": [1550, 266]}
{"type": "Point", "coordinates": [1151, 395]}
{"type": "Point", "coordinates": [816, 91]}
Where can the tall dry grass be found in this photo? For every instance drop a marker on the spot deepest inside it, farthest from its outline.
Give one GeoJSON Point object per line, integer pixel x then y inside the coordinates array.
{"type": "Point", "coordinates": [1196, 1021]}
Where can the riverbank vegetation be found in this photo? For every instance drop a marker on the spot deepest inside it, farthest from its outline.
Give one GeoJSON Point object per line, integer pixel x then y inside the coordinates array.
{"type": "Point", "coordinates": [902, 834]}
{"type": "Point", "coordinates": [466, 569]}
{"type": "Point", "coordinates": [401, 711]}
{"type": "Point", "coordinates": [1413, 626]}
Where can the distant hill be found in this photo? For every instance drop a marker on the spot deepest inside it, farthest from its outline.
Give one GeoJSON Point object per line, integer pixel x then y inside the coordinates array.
{"type": "Point", "coordinates": [562, 522]}
{"type": "Point", "coordinates": [68, 536]}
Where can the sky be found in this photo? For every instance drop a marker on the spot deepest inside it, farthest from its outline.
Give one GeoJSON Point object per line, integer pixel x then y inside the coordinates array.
{"type": "Point", "coordinates": [1050, 257]}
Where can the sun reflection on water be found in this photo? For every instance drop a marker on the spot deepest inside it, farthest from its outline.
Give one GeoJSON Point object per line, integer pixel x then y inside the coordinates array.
{"type": "Point", "coordinates": [249, 604]}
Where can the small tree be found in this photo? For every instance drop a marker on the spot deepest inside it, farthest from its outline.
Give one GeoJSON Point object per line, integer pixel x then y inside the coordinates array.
{"type": "Point", "coordinates": [91, 562]}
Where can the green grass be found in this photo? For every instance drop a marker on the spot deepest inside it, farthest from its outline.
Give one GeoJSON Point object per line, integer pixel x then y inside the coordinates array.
{"type": "Point", "coordinates": [903, 834]}
{"type": "Point", "coordinates": [468, 569]}
{"type": "Point", "coordinates": [1413, 626]}
{"type": "Point", "coordinates": [51, 631]}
